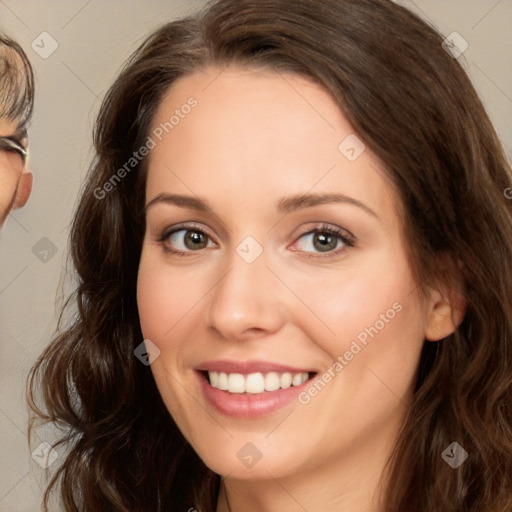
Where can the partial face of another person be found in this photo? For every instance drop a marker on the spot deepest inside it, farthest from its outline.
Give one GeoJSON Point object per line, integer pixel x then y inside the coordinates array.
{"type": "Point", "coordinates": [15, 180]}
{"type": "Point", "coordinates": [272, 256]}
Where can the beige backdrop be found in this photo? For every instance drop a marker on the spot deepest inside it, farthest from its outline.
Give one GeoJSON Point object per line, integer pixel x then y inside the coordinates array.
{"type": "Point", "coordinates": [76, 48]}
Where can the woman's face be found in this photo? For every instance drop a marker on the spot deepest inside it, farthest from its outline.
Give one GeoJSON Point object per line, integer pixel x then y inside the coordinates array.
{"type": "Point", "coordinates": [274, 253]}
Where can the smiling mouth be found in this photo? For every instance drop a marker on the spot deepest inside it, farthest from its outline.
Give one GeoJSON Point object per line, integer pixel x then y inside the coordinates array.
{"type": "Point", "coordinates": [255, 383]}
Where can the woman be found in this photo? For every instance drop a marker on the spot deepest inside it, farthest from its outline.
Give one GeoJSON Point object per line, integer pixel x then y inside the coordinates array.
{"type": "Point", "coordinates": [16, 105]}
{"type": "Point", "coordinates": [300, 208]}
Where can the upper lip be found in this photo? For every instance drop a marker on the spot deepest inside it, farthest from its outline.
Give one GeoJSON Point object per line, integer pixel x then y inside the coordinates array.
{"type": "Point", "coordinates": [246, 367]}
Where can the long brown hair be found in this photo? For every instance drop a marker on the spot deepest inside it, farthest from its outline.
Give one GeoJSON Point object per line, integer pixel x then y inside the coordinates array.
{"type": "Point", "coordinates": [413, 105]}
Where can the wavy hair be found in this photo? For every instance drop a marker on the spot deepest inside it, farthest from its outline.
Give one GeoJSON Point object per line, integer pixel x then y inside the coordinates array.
{"type": "Point", "coordinates": [416, 109]}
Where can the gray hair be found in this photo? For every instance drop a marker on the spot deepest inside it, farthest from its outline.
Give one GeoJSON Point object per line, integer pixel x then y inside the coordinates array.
{"type": "Point", "coordinates": [16, 82]}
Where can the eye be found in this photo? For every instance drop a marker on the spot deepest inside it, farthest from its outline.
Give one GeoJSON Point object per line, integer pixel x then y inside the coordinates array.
{"type": "Point", "coordinates": [186, 239]}
{"type": "Point", "coordinates": [324, 239]}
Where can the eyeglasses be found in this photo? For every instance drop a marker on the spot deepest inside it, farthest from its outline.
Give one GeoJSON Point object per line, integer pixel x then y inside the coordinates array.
{"type": "Point", "coordinates": [9, 144]}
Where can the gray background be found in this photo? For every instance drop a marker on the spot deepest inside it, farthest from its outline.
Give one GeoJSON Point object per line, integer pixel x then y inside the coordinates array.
{"type": "Point", "coordinates": [94, 38]}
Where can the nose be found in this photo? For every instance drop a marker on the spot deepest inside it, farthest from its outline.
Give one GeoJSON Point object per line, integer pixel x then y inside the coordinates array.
{"type": "Point", "coordinates": [246, 302]}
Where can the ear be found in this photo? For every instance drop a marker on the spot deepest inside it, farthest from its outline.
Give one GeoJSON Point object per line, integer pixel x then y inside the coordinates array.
{"type": "Point", "coordinates": [23, 191]}
{"type": "Point", "coordinates": [446, 309]}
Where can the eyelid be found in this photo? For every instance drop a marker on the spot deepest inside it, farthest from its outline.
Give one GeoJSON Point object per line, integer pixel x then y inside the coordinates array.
{"type": "Point", "coordinates": [186, 226]}
{"type": "Point", "coordinates": [323, 226]}
{"type": "Point", "coordinates": [346, 237]}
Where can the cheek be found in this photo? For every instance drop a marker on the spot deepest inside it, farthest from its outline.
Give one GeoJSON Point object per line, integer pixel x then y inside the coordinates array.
{"type": "Point", "coordinates": [152, 303]}
{"type": "Point", "coordinates": [361, 299]}
{"type": "Point", "coordinates": [10, 171]}
{"type": "Point", "coordinates": [163, 301]}
{"type": "Point", "coordinates": [372, 325]}
{"type": "Point", "coordinates": [165, 296]}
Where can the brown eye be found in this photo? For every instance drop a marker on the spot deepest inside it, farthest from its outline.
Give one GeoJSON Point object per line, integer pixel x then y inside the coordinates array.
{"type": "Point", "coordinates": [195, 240]}
{"type": "Point", "coordinates": [185, 240]}
{"type": "Point", "coordinates": [324, 240]}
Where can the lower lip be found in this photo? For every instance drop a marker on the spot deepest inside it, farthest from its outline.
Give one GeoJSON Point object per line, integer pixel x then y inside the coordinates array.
{"type": "Point", "coordinates": [247, 405]}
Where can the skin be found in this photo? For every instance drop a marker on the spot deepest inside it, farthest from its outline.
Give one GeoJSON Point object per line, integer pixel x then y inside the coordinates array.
{"type": "Point", "coordinates": [15, 179]}
{"type": "Point", "coordinates": [256, 137]}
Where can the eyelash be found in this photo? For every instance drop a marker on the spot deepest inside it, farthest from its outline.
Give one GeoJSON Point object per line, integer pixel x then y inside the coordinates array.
{"type": "Point", "coordinates": [347, 239]}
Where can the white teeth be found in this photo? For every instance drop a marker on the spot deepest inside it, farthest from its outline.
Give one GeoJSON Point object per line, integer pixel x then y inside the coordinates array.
{"type": "Point", "coordinates": [297, 379]}
{"type": "Point", "coordinates": [286, 380]}
{"type": "Point", "coordinates": [255, 382]}
{"type": "Point", "coordinates": [272, 381]}
{"type": "Point", "coordinates": [223, 381]}
{"type": "Point", "coordinates": [236, 383]}
{"type": "Point", "coordinates": [214, 379]}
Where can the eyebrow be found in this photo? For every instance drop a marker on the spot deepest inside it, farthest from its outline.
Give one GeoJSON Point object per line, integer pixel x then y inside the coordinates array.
{"type": "Point", "coordinates": [194, 203]}
{"type": "Point", "coordinates": [301, 201]}
{"type": "Point", "coordinates": [284, 205]}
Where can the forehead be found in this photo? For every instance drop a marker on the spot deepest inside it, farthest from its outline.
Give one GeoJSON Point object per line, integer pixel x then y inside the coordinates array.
{"type": "Point", "coordinates": [229, 97]}
{"type": "Point", "coordinates": [258, 131]}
